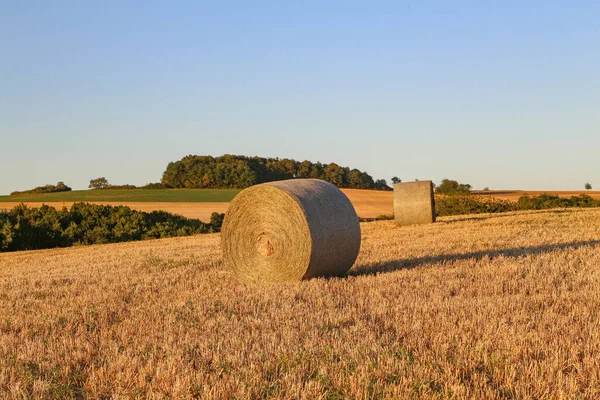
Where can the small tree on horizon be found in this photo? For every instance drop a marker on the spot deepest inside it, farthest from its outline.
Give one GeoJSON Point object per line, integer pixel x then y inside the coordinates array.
{"type": "Point", "coordinates": [99, 183]}
{"type": "Point", "coordinates": [588, 186]}
{"type": "Point", "coordinates": [453, 187]}
{"type": "Point", "coordinates": [395, 180]}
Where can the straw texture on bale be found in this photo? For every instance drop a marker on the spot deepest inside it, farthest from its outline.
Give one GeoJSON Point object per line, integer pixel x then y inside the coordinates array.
{"type": "Point", "coordinates": [414, 203]}
{"type": "Point", "coordinates": [290, 230]}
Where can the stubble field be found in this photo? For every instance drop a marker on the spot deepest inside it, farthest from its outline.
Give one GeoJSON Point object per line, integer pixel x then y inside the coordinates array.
{"type": "Point", "coordinates": [487, 306]}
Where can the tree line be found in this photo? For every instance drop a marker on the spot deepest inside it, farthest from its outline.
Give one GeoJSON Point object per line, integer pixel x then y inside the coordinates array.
{"type": "Point", "coordinates": [468, 204]}
{"type": "Point", "coordinates": [233, 171]}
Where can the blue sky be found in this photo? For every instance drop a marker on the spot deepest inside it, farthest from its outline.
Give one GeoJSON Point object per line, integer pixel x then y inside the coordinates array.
{"type": "Point", "coordinates": [499, 94]}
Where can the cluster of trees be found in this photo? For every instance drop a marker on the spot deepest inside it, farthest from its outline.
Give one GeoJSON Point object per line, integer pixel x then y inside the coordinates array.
{"type": "Point", "coordinates": [59, 187]}
{"type": "Point", "coordinates": [465, 204]}
{"type": "Point", "coordinates": [232, 171]}
{"type": "Point", "coordinates": [450, 187]}
{"type": "Point", "coordinates": [102, 183]}
{"type": "Point", "coordinates": [27, 228]}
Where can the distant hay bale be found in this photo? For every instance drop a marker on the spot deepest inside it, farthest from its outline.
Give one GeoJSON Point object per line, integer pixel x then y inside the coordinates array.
{"type": "Point", "coordinates": [414, 203]}
{"type": "Point", "coordinates": [290, 230]}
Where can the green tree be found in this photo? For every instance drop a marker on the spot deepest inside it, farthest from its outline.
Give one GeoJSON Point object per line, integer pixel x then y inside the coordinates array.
{"type": "Point", "coordinates": [355, 179]}
{"type": "Point", "coordinates": [453, 187]}
{"type": "Point", "coordinates": [99, 183]}
{"type": "Point", "coordinates": [396, 180]}
{"type": "Point", "coordinates": [334, 174]}
{"type": "Point", "coordinates": [381, 184]}
{"type": "Point", "coordinates": [588, 186]}
{"type": "Point", "coordinates": [304, 169]}
{"type": "Point", "coordinates": [289, 167]}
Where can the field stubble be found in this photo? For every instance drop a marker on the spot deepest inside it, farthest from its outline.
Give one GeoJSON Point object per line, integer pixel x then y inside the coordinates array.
{"type": "Point", "coordinates": [487, 306]}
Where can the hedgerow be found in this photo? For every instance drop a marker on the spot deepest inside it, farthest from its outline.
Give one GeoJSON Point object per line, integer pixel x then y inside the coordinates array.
{"type": "Point", "coordinates": [469, 204]}
{"type": "Point", "coordinates": [30, 228]}
{"type": "Point", "coordinates": [59, 187]}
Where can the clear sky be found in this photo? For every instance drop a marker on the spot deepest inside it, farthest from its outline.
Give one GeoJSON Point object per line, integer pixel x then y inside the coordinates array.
{"type": "Point", "coordinates": [499, 94]}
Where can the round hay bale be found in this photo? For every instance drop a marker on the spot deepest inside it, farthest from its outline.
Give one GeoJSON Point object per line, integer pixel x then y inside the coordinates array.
{"type": "Point", "coordinates": [290, 230]}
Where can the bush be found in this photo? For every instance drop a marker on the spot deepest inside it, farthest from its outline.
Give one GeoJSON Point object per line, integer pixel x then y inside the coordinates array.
{"type": "Point", "coordinates": [157, 185]}
{"type": "Point", "coordinates": [59, 187]}
{"type": "Point", "coordinates": [25, 228]}
{"type": "Point", "coordinates": [216, 220]}
{"type": "Point", "coordinates": [546, 201]}
{"type": "Point", "coordinates": [110, 187]}
{"type": "Point", "coordinates": [451, 187]}
{"type": "Point", "coordinates": [459, 205]}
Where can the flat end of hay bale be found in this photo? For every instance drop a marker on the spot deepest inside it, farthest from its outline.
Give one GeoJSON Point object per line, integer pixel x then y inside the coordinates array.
{"type": "Point", "coordinates": [290, 230]}
{"type": "Point", "coordinates": [414, 203]}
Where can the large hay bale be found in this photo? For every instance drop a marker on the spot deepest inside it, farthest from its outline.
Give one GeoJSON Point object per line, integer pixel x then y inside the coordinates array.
{"type": "Point", "coordinates": [290, 230]}
{"type": "Point", "coordinates": [414, 203]}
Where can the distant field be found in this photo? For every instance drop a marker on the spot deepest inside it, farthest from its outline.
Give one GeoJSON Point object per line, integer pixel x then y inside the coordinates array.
{"type": "Point", "coordinates": [502, 306]}
{"type": "Point", "coordinates": [192, 203]}
{"type": "Point", "coordinates": [133, 195]}
{"type": "Point", "coordinates": [513, 195]}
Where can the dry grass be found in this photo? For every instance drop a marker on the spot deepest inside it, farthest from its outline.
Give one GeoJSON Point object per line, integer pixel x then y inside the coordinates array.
{"type": "Point", "coordinates": [494, 306]}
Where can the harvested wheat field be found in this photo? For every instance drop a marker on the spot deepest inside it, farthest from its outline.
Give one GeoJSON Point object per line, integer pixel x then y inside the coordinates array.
{"type": "Point", "coordinates": [487, 306]}
{"type": "Point", "coordinates": [371, 203]}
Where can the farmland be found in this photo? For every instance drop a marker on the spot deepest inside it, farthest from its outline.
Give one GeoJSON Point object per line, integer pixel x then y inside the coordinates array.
{"type": "Point", "coordinates": [487, 306]}
{"type": "Point", "coordinates": [514, 195]}
{"type": "Point", "coordinates": [191, 203]}
{"type": "Point", "coordinates": [201, 203]}
{"type": "Point", "coordinates": [123, 196]}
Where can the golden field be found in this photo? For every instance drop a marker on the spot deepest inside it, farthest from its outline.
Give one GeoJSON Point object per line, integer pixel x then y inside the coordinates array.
{"type": "Point", "coordinates": [487, 306]}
